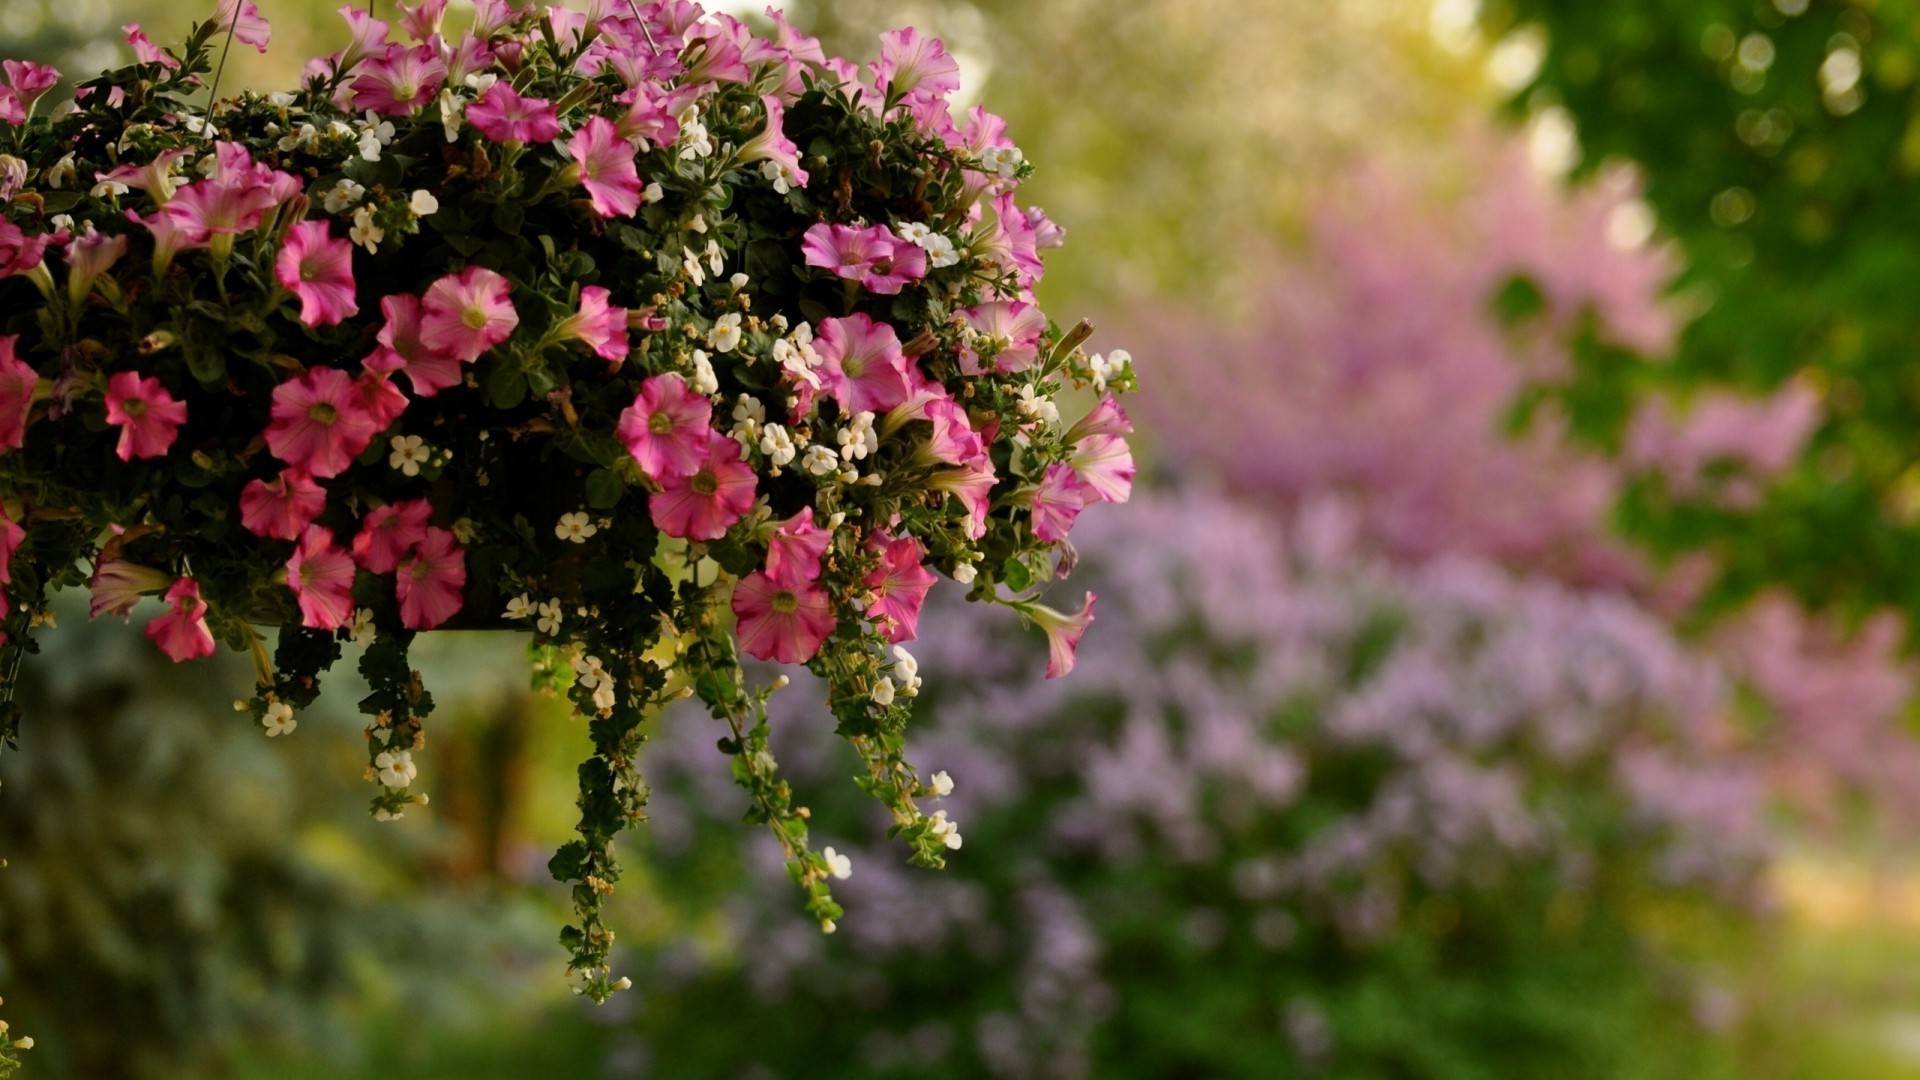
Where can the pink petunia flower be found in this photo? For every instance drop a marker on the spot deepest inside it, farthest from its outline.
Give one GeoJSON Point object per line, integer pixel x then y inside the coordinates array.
{"type": "Point", "coordinates": [422, 20]}
{"type": "Point", "coordinates": [317, 267]}
{"type": "Point", "coordinates": [465, 314]}
{"type": "Point", "coordinates": [320, 573]}
{"type": "Point", "coordinates": [1063, 633]}
{"type": "Point", "coordinates": [399, 81]}
{"type": "Point", "coordinates": [795, 548]}
{"type": "Point", "coordinates": [170, 238]}
{"type": "Point", "coordinates": [902, 264]}
{"type": "Point", "coordinates": [17, 383]}
{"type": "Point", "coordinates": [147, 415]}
{"type": "Point", "coordinates": [432, 582]}
{"type": "Point", "coordinates": [379, 399]}
{"type": "Point", "coordinates": [366, 36]}
{"type": "Point", "coordinates": [504, 116]}
{"type": "Point", "coordinates": [25, 83]}
{"type": "Point", "coordinates": [704, 504]}
{"type": "Point", "coordinates": [649, 119]}
{"type": "Point", "coordinates": [861, 363]}
{"type": "Point", "coordinates": [284, 508]}
{"type": "Point", "coordinates": [604, 163]}
{"type": "Point", "coordinates": [117, 585]}
{"type": "Point", "coordinates": [911, 63]}
{"type": "Point", "coordinates": [900, 584]}
{"type": "Point", "coordinates": [1107, 418]}
{"type": "Point", "coordinates": [319, 425]}
{"type": "Point", "coordinates": [402, 350]}
{"type": "Point", "coordinates": [390, 533]}
{"type": "Point", "coordinates": [779, 157]}
{"type": "Point", "coordinates": [12, 535]}
{"type": "Point", "coordinates": [786, 624]}
{"type": "Point", "coordinates": [972, 484]}
{"type": "Point", "coordinates": [598, 324]}
{"type": "Point", "coordinates": [845, 250]}
{"type": "Point", "coordinates": [1105, 466]}
{"type": "Point", "coordinates": [249, 27]}
{"type": "Point", "coordinates": [1057, 503]}
{"type": "Point", "coordinates": [1012, 330]}
{"type": "Point", "coordinates": [954, 441]}
{"type": "Point", "coordinates": [666, 427]}
{"type": "Point", "coordinates": [19, 252]}
{"type": "Point", "coordinates": [182, 632]}
{"type": "Point", "coordinates": [90, 255]}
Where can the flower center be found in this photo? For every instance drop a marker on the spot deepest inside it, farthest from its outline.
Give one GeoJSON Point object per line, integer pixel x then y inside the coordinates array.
{"type": "Point", "coordinates": [475, 318]}
{"type": "Point", "coordinates": [785, 603]}
{"type": "Point", "coordinates": [134, 407]}
{"type": "Point", "coordinates": [660, 423]}
{"type": "Point", "coordinates": [308, 271]}
{"type": "Point", "coordinates": [321, 412]}
{"type": "Point", "coordinates": [703, 483]}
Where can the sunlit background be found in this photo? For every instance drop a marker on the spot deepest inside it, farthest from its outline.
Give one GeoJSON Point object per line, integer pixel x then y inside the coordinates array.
{"type": "Point", "coordinates": [1503, 670]}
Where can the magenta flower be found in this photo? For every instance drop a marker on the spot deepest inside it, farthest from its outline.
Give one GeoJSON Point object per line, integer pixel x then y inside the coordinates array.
{"type": "Point", "coordinates": [972, 484]}
{"type": "Point", "coordinates": [431, 583]}
{"type": "Point", "coordinates": [666, 428]}
{"type": "Point", "coordinates": [1107, 418]}
{"type": "Point", "coordinates": [466, 314]}
{"type": "Point", "coordinates": [1012, 330]}
{"type": "Point", "coordinates": [900, 584]}
{"type": "Point", "coordinates": [422, 20]}
{"type": "Point", "coordinates": [144, 50]}
{"type": "Point", "coordinates": [379, 399]}
{"type": "Point", "coordinates": [795, 548]}
{"type": "Point", "coordinates": [284, 508]}
{"type": "Point", "coordinates": [849, 252]}
{"type": "Point", "coordinates": [779, 156]}
{"type": "Point", "coordinates": [903, 263]}
{"type": "Point", "coordinates": [400, 81]}
{"type": "Point", "coordinates": [182, 632]}
{"type": "Point", "coordinates": [11, 537]}
{"type": "Point", "coordinates": [649, 120]}
{"type": "Point", "coordinates": [1063, 633]}
{"type": "Point", "coordinates": [249, 26]}
{"type": "Point", "coordinates": [317, 267]}
{"type": "Point", "coordinates": [861, 363]}
{"type": "Point", "coordinates": [598, 324]}
{"type": "Point", "coordinates": [402, 350]}
{"type": "Point", "coordinates": [910, 63]}
{"type": "Point", "coordinates": [19, 252]}
{"type": "Point", "coordinates": [705, 503]}
{"type": "Point", "coordinates": [17, 383]}
{"type": "Point", "coordinates": [954, 440]}
{"type": "Point", "coordinates": [320, 573]}
{"type": "Point", "coordinates": [1057, 503]}
{"type": "Point", "coordinates": [319, 425]}
{"type": "Point", "coordinates": [117, 585]}
{"type": "Point", "coordinates": [148, 416]}
{"type": "Point", "coordinates": [1105, 466]}
{"type": "Point", "coordinates": [504, 116]}
{"type": "Point", "coordinates": [786, 624]}
{"type": "Point", "coordinates": [390, 533]}
{"type": "Point", "coordinates": [604, 162]}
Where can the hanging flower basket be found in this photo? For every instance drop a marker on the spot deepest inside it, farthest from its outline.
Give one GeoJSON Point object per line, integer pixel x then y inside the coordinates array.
{"type": "Point", "coordinates": [655, 338]}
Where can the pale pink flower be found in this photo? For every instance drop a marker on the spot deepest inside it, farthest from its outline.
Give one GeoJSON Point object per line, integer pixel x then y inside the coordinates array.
{"type": "Point", "coordinates": [504, 116]}
{"type": "Point", "coordinates": [366, 35]}
{"type": "Point", "coordinates": [389, 533]}
{"type": "Point", "coordinates": [786, 624]}
{"type": "Point", "coordinates": [90, 255]}
{"type": "Point", "coordinates": [320, 573]}
{"type": "Point", "coordinates": [1011, 242]}
{"type": "Point", "coordinates": [1057, 503]}
{"type": "Point", "coordinates": [117, 585]}
{"type": "Point", "coordinates": [704, 504]}
{"type": "Point", "coordinates": [1105, 466]}
{"type": "Point", "coordinates": [248, 26]}
{"type": "Point", "coordinates": [402, 350]}
{"type": "Point", "coordinates": [182, 632]}
{"type": "Point", "coordinates": [649, 120]}
{"type": "Point", "coordinates": [954, 440]}
{"type": "Point", "coordinates": [431, 583]}
{"type": "Point", "coordinates": [1012, 330]}
{"type": "Point", "coordinates": [899, 586]}
{"type": "Point", "coordinates": [147, 415]}
{"type": "Point", "coordinates": [849, 252]}
{"type": "Point", "coordinates": [604, 162]}
{"type": "Point", "coordinates": [422, 20]}
{"type": "Point", "coordinates": [317, 267]}
{"type": "Point", "coordinates": [902, 264]}
{"type": "Point", "coordinates": [155, 177]}
{"type": "Point", "coordinates": [466, 314]}
{"type": "Point", "coordinates": [772, 145]}
{"type": "Point", "coordinates": [666, 427]}
{"type": "Point", "coordinates": [399, 81]}
{"type": "Point", "coordinates": [17, 383]}
{"type": "Point", "coordinates": [1107, 418]}
{"type": "Point", "coordinates": [1046, 233]}
{"type": "Point", "coordinates": [911, 63]}
{"type": "Point", "coordinates": [861, 363]}
{"type": "Point", "coordinates": [972, 484]}
{"type": "Point", "coordinates": [284, 508]}
{"type": "Point", "coordinates": [144, 50]}
{"type": "Point", "coordinates": [208, 208]}
{"type": "Point", "coordinates": [1063, 633]}
{"type": "Point", "coordinates": [170, 238]}
{"type": "Point", "coordinates": [715, 58]}
{"type": "Point", "coordinates": [319, 425]}
{"type": "Point", "coordinates": [28, 81]}
{"type": "Point", "coordinates": [795, 548]}
{"type": "Point", "coordinates": [598, 324]}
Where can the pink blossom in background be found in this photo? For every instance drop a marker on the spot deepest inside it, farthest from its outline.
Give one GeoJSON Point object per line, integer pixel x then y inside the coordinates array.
{"type": "Point", "coordinates": [431, 582]}
{"type": "Point", "coordinates": [378, 399]}
{"type": "Point", "coordinates": [504, 116]}
{"type": "Point", "coordinates": [1759, 436]}
{"type": "Point", "coordinates": [390, 533]}
{"type": "Point", "coordinates": [606, 168]}
{"type": "Point", "coordinates": [972, 484]}
{"type": "Point", "coordinates": [18, 380]}
{"type": "Point", "coordinates": [148, 416]}
{"type": "Point", "coordinates": [19, 252]}
{"type": "Point", "coordinates": [648, 121]}
{"type": "Point", "coordinates": [666, 428]}
{"type": "Point", "coordinates": [783, 623]}
{"type": "Point", "coordinates": [399, 81]}
{"type": "Point", "coordinates": [422, 20]}
{"type": "Point", "coordinates": [283, 508]}
{"type": "Point", "coordinates": [845, 250]}
{"type": "Point", "coordinates": [465, 314]}
{"type": "Point", "coordinates": [366, 36]}
{"type": "Point", "coordinates": [954, 441]}
{"type": "Point", "coordinates": [795, 548]}
{"type": "Point", "coordinates": [1063, 634]}
{"type": "Point", "coordinates": [182, 632]}
{"type": "Point", "coordinates": [912, 63]}
{"type": "Point", "coordinates": [1104, 464]}
{"type": "Point", "coordinates": [900, 585]}
{"type": "Point", "coordinates": [772, 147]}
{"type": "Point", "coordinates": [319, 425]}
{"type": "Point", "coordinates": [1057, 503]}
{"type": "Point", "coordinates": [704, 504]}
{"type": "Point", "coordinates": [861, 363]}
{"type": "Point", "coordinates": [243, 20]}
{"type": "Point", "coordinates": [320, 573]}
{"type": "Point", "coordinates": [144, 50]}
{"type": "Point", "coordinates": [90, 255]}
{"type": "Point", "coordinates": [317, 267]}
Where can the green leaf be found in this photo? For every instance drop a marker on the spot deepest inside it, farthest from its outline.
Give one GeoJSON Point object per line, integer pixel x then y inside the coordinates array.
{"type": "Point", "coordinates": [604, 489]}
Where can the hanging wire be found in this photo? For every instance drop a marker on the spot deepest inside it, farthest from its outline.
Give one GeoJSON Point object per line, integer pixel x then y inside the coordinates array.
{"type": "Point", "coordinates": [213, 92]}
{"type": "Point", "coordinates": [635, 8]}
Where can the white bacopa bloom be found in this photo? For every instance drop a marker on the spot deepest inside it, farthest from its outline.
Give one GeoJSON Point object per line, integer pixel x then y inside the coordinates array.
{"type": "Point", "coordinates": [716, 259]}
{"type": "Point", "coordinates": [882, 691]}
{"type": "Point", "coordinates": [697, 224]}
{"type": "Point", "coordinates": [341, 195]}
{"type": "Point", "coordinates": [550, 616]}
{"type": "Point", "coordinates": [281, 99]}
{"type": "Point", "coordinates": [279, 719]}
{"type": "Point", "coordinates": [940, 251]}
{"type": "Point", "coordinates": [965, 573]}
{"type": "Point", "coordinates": [464, 530]}
{"type": "Point", "coordinates": [370, 146]}
{"type": "Point", "coordinates": [364, 231]}
{"type": "Point", "coordinates": [838, 865]}
{"type": "Point", "coordinates": [423, 203]}
{"type": "Point", "coordinates": [1113, 365]}
{"type": "Point", "coordinates": [589, 671]}
{"type": "Point", "coordinates": [453, 112]}
{"type": "Point", "coordinates": [61, 172]}
{"type": "Point", "coordinates": [1037, 407]}
{"type": "Point", "coordinates": [907, 671]}
{"type": "Point", "coordinates": [108, 189]}
{"type": "Point", "coordinates": [738, 281]}
{"type": "Point", "coordinates": [520, 607]}
{"type": "Point", "coordinates": [784, 177]}
{"type": "Point", "coordinates": [360, 627]}
{"type": "Point", "coordinates": [695, 142]}
{"type": "Point", "coordinates": [690, 266]}
{"type": "Point", "coordinates": [819, 460]}
{"type": "Point", "coordinates": [912, 231]}
{"type": "Point", "coordinates": [857, 439]}
{"type": "Point", "coordinates": [654, 193]}
{"type": "Point", "coordinates": [576, 527]}
{"type": "Point", "coordinates": [409, 453]}
{"type": "Point", "coordinates": [942, 784]}
{"type": "Point", "coordinates": [777, 445]}
{"type": "Point", "coordinates": [799, 359]}
{"type": "Point", "coordinates": [1002, 161]}
{"type": "Point", "coordinates": [704, 381]}
{"type": "Point", "coordinates": [748, 415]}
{"type": "Point", "coordinates": [379, 127]}
{"type": "Point", "coordinates": [948, 832]}
{"type": "Point", "coordinates": [397, 770]}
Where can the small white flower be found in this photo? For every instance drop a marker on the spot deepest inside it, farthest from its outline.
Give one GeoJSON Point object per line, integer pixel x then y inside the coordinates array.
{"type": "Point", "coordinates": [942, 784]}
{"type": "Point", "coordinates": [1037, 407]}
{"type": "Point", "coordinates": [108, 189]}
{"type": "Point", "coordinates": [799, 359]}
{"type": "Point", "coordinates": [481, 81]}
{"type": "Point", "coordinates": [384, 814]}
{"type": "Point", "coordinates": [654, 193]}
{"type": "Point", "coordinates": [370, 145]}
{"type": "Point", "coordinates": [589, 671]}
{"type": "Point", "coordinates": [690, 265]}
{"type": "Point", "coordinates": [453, 113]}
{"type": "Point", "coordinates": [704, 381]}
{"type": "Point", "coordinates": [379, 127]}
{"type": "Point", "coordinates": [61, 221]}
{"type": "Point", "coordinates": [777, 445]}
{"type": "Point", "coordinates": [364, 231]}
{"type": "Point", "coordinates": [907, 670]}
{"type": "Point", "coordinates": [409, 453]}
{"type": "Point", "coordinates": [397, 770]}
{"type": "Point", "coordinates": [912, 231]}
{"type": "Point", "coordinates": [520, 607]}
{"type": "Point", "coordinates": [838, 865]}
{"type": "Point", "coordinates": [464, 530]}
{"type": "Point", "coordinates": [716, 259]}
{"type": "Point", "coordinates": [940, 251]}
{"type": "Point", "coordinates": [857, 439]}
{"type": "Point", "coordinates": [336, 128]}
{"type": "Point", "coordinates": [738, 281]}
{"type": "Point", "coordinates": [947, 832]}
{"type": "Point", "coordinates": [341, 195]}
{"type": "Point", "coordinates": [697, 224]}
{"type": "Point", "coordinates": [882, 692]}
{"type": "Point", "coordinates": [576, 527]}
{"type": "Point", "coordinates": [279, 719]}
{"type": "Point", "coordinates": [694, 140]}
{"type": "Point", "coordinates": [423, 203]}
{"type": "Point", "coordinates": [550, 616]}
{"type": "Point", "coordinates": [281, 99]}
{"type": "Point", "coordinates": [360, 627]}
{"type": "Point", "coordinates": [965, 573]}
{"type": "Point", "coordinates": [1002, 161]}
{"type": "Point", "coordinates": [782, 175]}
{"type": "Point", "coordinates": [748, 415]}
{"type": "Point", "coordinates": [819, 460]}
{"type": "Point", "coordinates": [61, 172]}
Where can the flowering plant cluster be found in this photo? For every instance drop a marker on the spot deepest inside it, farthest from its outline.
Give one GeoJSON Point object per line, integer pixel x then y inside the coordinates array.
{"type": "Point", "coordinates": [631, 328]}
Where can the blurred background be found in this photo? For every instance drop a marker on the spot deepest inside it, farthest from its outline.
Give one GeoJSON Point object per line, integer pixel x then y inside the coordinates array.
{"type": "Point", "coordinates": [1504, 668]}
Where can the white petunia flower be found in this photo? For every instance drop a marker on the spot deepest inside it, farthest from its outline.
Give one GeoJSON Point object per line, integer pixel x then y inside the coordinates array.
{"type": "Point", "coordinates": [838, 865]}
{"type": "Point", "coordinates": [409, 453]}
{"type": "Point", "coordinates": [397, 770]}
{"type": "Point", "coordinates": [576, 527]}
{"type": "Point", "coordinates": [279, 719]}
